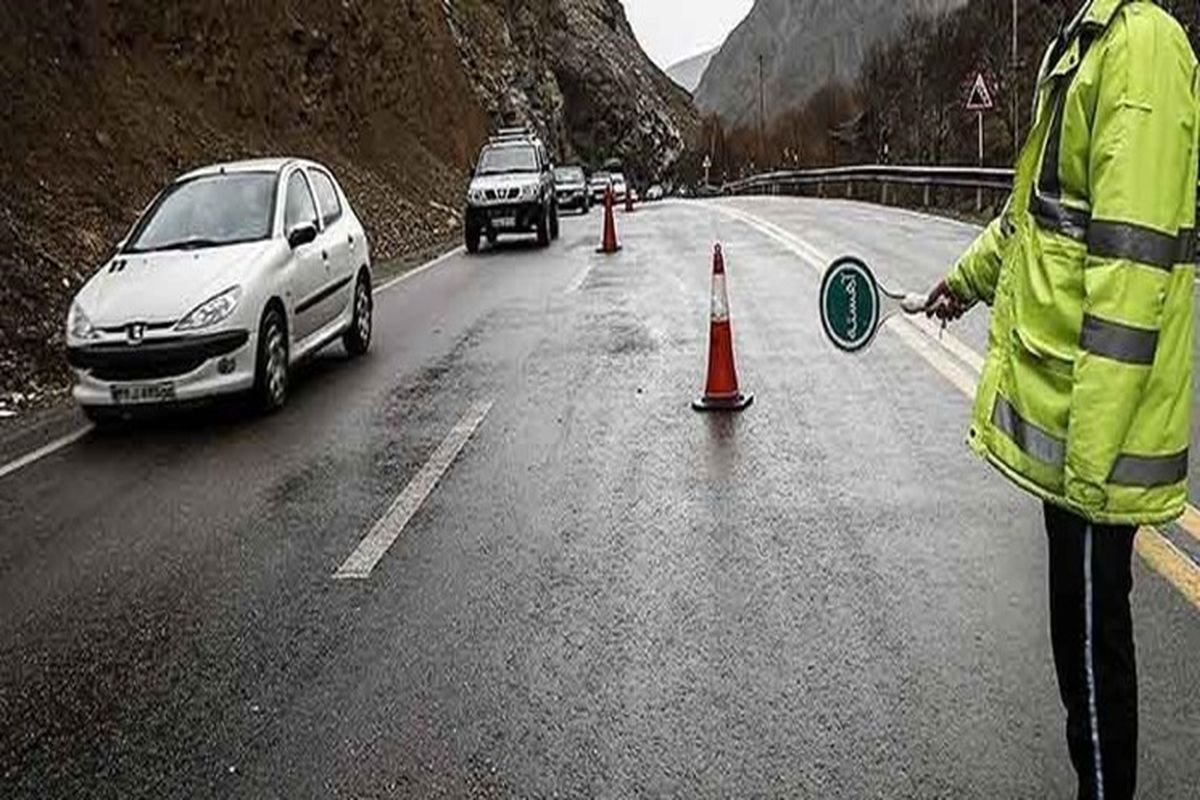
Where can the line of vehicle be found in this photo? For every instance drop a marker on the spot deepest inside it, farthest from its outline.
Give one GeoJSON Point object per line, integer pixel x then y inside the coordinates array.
{"type": "Point", "coordinates": [359, 564]}
{"type": "Point", "coordinates": [925, 340]}
{"type": "Point", "coordinates": [69, 439]}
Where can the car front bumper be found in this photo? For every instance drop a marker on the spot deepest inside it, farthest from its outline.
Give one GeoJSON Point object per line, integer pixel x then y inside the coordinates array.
{"type": "Point", "coordinates": [524, 217]}
{"type": "Point", "coordinates": [573, 199]}
{"type": "Point", "coordinates": [193, 367]}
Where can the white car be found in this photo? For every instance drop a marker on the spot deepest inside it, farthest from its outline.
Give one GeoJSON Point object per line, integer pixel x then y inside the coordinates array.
{"type": "Point", "coordinates": [233, 274]}
{"type": "Point", "coordinates": [619, 187]}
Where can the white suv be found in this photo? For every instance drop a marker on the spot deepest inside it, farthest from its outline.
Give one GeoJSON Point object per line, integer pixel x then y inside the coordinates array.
{"type": "Point", "coordinates": [233, 274]}
{"type": "Point", "coordinates": [512, 191]}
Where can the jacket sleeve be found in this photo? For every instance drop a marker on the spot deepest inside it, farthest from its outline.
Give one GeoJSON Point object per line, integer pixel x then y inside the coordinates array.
{"type": "Point", "coordinates": [1142, 154]}
{"type": "Point", "coordinates": [974, 277]}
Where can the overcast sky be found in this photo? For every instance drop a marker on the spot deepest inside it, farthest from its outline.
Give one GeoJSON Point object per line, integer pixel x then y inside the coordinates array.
{"type": "Point", "coordinates": [672, 30]}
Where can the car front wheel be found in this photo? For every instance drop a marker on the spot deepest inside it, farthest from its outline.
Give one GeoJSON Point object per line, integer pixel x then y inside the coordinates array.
{"type": "Point", "coordinates": [357, 339]}
{"type": "Point", "coordinates": [271, 367]}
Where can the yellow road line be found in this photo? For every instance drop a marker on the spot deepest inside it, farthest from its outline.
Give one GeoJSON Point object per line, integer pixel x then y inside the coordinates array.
{"type": "Point", "coordinates": [935, 346]}
{"type": "Point", "coordinates": [1165, 559]}
{"type": "Point", "coordinates": [1190, 522]}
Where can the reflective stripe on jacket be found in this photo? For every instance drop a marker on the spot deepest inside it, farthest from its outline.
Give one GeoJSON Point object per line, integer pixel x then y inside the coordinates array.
{"type": "Point", "coordinates": [1086, 394]}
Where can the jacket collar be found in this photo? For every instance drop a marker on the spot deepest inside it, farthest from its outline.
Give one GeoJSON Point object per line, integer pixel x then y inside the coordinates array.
{"type": "Point", "coordinates": [1094, 14]}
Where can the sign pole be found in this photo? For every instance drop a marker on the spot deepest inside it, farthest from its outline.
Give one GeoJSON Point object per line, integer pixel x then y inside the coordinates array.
{"type": "Point", "coordinates": [979, 191]}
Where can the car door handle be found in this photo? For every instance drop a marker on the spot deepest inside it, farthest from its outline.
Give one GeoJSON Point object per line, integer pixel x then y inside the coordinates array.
{"type": "Point", "coordinates": [325, 255]}
{"type": "Point", "coordinates": [350, 239]}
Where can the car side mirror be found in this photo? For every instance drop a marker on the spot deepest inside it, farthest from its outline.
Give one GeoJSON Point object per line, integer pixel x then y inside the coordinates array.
{"type": "Point", "coordinates": [302, 234]}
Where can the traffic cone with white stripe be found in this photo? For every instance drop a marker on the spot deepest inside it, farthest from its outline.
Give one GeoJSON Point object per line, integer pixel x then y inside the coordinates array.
{"type": "Point", "coordinates": [721, 392]}
{"type": "Point", "coordinates": [609, 243]}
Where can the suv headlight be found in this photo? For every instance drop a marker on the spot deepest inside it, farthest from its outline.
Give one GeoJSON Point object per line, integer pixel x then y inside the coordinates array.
{"type": "Point", "coordinates": [78, 324]}
{"type": "Point", "coordinates": [475, 195]}
{"type": "Point", "coordinates": [211, 311]}
{"type": "Point", "coordinates": [530, 192]}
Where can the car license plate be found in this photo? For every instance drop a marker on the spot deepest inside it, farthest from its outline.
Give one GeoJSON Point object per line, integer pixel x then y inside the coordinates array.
{"type": "Point", "coordinates": [139, 393]}
{"type": "Point", "coordinates": [504, 222]}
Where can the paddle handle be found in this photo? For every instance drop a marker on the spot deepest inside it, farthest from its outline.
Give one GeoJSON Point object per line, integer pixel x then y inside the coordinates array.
{"type": "Point", "coordinates": [913, 303]}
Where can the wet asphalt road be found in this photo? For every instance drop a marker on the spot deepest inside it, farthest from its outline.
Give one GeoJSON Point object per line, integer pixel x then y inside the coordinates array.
{"type": "Point", "coordinates": [605, 595]}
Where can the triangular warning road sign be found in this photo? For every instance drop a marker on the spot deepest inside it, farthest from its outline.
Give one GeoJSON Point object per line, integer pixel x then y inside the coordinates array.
{"type": "Point", "coordinates": [980, 98]}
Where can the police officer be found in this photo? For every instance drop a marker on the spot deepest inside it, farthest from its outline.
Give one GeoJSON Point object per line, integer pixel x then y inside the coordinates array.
{"type": "Point", "coordinates": [1085, 398]}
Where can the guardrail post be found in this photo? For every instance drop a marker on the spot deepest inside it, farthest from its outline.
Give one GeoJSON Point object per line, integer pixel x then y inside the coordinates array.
{"type": "Point", "coordinates": [927, 195]}
{"type": "Point", "coordinates": [883, 193]}
{"type": "Point", "coordinates": [850, 189]}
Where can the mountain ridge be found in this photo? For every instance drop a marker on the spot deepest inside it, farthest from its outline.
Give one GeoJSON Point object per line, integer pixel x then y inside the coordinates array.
{"type": "Point", "coordinates": [805, 44]}
{"type": "Point", "coordinates": [688, 72]}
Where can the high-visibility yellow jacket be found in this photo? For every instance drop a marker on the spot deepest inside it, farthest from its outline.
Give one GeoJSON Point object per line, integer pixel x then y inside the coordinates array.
{"type": "Point", "coordinates": [1086, 394]}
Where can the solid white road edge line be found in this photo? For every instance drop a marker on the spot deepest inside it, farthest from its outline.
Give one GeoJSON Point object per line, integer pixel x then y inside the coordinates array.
{"type": "Point", "coordinates": [387, 530]}
{"type": "Point", "coordinates": [412, 273]}
{"type": "Point", "coordinates": [70, 439]}
{"type": "Point", "coordinates": [45, 450]}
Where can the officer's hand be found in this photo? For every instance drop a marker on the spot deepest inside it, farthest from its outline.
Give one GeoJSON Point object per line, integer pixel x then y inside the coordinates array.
{"type": "Point", "coordinates": [944, 304]}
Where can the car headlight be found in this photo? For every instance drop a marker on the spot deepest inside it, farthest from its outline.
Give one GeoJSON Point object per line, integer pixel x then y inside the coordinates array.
{"type": "Point", "coordinates": [530, 192]}
{"type": "Point", "coordinates": [79, 326]}
{"type": "Point", "coordinates": [475, 195]}
{"type": "Point", "coordinates": [211, 311]}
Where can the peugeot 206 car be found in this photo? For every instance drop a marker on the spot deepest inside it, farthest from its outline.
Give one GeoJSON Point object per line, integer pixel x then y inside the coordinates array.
{"type": "Point", "coordinates": [233, 274]}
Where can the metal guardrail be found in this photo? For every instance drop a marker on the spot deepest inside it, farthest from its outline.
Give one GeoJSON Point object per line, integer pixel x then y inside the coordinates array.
{"type": "Point", "coordinates": [977, 178]}
{"type": "Point", "coordinates": [924, 176]}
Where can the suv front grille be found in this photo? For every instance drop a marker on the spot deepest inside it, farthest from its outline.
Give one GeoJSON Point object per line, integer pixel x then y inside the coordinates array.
{"type": "Point", "coordinates": [502, 194]}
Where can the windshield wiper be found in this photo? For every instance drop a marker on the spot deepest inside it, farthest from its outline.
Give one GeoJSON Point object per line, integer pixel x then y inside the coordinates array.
{"type": "Point", "coordinates": [512, 171]}
{"type": "Point", "coordinates": [194, 243]}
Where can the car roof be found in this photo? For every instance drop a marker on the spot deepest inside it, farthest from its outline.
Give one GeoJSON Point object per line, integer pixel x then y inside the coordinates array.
{"type": "Point", "coordinates": [275, 165]}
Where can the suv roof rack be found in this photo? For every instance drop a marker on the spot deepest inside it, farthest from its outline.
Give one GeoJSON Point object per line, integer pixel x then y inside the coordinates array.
{"type": "Point", "coordinates": [513, 135]}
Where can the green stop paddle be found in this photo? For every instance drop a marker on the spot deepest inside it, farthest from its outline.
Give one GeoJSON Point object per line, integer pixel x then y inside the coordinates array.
{"type": "Point", "coordinates": [854, 306]}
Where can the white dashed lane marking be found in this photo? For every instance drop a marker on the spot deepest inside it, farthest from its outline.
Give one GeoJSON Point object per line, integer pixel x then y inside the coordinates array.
{"type": "Point", "coordinates": [388, 529]}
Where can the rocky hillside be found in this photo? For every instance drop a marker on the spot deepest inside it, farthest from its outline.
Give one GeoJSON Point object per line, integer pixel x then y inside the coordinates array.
{"type": "Point", "coordinates": [805, 44]}
{"type": "Point", "coordinates": [687, 73]}
{"type": "Point", "coordinates": [575, 69]}
{"type": "Point", "coordinates": [105, 100]}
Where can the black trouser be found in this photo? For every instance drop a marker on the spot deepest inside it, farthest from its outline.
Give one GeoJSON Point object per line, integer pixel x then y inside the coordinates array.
{"type": "Point", "coordinates": [1092, 632]}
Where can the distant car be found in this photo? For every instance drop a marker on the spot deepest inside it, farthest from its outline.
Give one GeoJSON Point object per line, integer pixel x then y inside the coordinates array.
{"type": "Point", "coordinates": [654, 193]}
{"type": "Point", "coordinates": [598, 185]}
{"type": "Point", "coordinates": [233, 274]}
{"type": "Point", "coordinates": [572, 187]}
{"type": "Point", "coordinates": [512, 191]}
{"type": "Point", "coordinates": [619, 187]}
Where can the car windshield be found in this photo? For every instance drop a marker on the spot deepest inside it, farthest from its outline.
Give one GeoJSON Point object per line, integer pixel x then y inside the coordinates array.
{"type": "Point", "coordinates": [501, 160]}
{"type": "Point", "coordinates": [568, 175]}
{"type": "Point", "coordinates": [210, 211]}
{"type": "Point", "coordinates": [601, 177]}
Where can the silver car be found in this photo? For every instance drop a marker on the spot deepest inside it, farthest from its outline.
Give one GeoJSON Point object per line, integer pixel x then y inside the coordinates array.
{"type": "Point", "coordinates": [233, 274]}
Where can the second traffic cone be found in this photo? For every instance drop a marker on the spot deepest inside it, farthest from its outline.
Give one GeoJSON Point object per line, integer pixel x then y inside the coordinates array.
{"type": "Point", "coordinates": [628, 199]}
{"type": "Point", "coordinates": [721, 392]}
{"type": "Point", "coordinates": [609, 243]}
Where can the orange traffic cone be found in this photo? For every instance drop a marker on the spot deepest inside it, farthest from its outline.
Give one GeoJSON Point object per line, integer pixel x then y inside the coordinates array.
{"type": "Point", "coordinates": [721, 391]}
{"type": "Point", "coordinates": [609, 243]}
{"type": "Point", "coordinates": [628, 199]}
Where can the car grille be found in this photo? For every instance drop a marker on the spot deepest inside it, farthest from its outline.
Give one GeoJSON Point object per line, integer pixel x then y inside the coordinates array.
{"type": "Point", "coordinates": [494, 195]}
{"type": "Point", "coordinates": [156, 358]}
